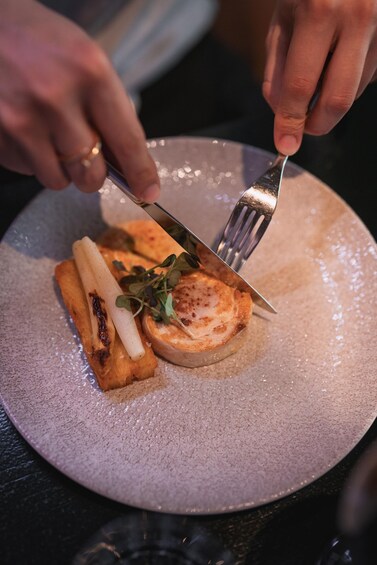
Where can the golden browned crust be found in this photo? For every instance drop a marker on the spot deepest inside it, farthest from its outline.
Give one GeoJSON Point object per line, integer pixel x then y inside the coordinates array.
{"type": "Point", "coordinates": [150, 240]}
{"type": "Point", "coordinates": [115, 369]}
{"type": "Point", "coordinates": [214, 314]}
{"type": "Point", "coordinates": [128, 259]}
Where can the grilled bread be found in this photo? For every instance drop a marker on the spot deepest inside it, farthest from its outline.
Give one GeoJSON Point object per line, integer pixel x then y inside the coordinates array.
{"type": "Point", "coordinates": [111, 364]}
{"type": "Point", "coordinates": [144, 237]}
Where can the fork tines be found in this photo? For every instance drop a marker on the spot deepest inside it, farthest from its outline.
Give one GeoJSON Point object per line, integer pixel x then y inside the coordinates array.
{"type": "Point", "coordinates": [251, 217]}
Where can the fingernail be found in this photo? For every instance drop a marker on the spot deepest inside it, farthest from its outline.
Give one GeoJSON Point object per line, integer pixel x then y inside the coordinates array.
{"type": "Point", "coordinates": [151, 193]}
{"type": "Point", "coordinates": [288, 144]}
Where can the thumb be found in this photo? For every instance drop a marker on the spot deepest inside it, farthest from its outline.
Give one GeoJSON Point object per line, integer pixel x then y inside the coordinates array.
{"type": "Point", "coordinates": [289, 128]}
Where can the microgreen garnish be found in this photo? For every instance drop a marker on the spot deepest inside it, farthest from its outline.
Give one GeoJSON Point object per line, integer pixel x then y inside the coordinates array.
{"type": "Point", "coordinates": [119, 265]}
{"type": "Point", "coordinates": [146, 288]}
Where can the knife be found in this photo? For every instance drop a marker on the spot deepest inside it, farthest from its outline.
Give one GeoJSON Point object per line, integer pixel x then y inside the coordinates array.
{"type": "Point", "coordinates": [189, 241]}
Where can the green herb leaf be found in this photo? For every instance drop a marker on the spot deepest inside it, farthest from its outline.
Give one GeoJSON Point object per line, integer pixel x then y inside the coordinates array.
{"type": "Point", "coordinates": [119, 265]}
{"type": "Point", "coordinates": [186, 262]}
{"type": "Point", "coordinates": [138, 269]}
{"type": "Point", "coordinates": [193, 260]}
{"type": "Point", "coordinates": [169, 306]}
{"type": "Point", "coordinates": [173, 278]}
{"type": "Point", "coordinates": [148, 289]}
{"type": "Point", "coordinates": [164, 317]}
{"type": "Point", "coordinates": [123, 301]}
{"type": "Point", "coordinates": [128, 243]}
{"type": "Point", "coordinates": [168, 261]}
{"type": "Point", "coordinates": [129, 279]}
{"type": "Point", "coordinates": [136, 287]}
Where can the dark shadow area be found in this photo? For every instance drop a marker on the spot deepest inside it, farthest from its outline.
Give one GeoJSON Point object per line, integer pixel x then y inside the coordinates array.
{"type": "Point", "coordinates": [296, 534]}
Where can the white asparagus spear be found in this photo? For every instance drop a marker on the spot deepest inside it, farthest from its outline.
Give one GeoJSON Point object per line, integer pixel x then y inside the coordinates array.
{"type": "Point", "coordinates": [109, 290]}
{"type": "Point", "coordinates": [89, 284]}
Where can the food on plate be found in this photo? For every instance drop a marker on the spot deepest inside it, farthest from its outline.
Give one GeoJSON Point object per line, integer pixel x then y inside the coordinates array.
{"type": "Point", "coordinates": [106, 354]}
{"type": "Point", "coordinates": [214, 318]}
{"type": "Point", "coordinates": [126, 307]}
{"type": "Point", "coordinates": [143, 237]}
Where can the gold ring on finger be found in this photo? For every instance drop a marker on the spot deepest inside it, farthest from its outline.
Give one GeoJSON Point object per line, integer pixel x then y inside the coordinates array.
{"type": "Point", "coordinates": [85, 156]}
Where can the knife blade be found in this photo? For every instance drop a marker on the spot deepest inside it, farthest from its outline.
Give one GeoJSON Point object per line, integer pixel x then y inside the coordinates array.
{"type": "Point", "coordinates": [189, 241]}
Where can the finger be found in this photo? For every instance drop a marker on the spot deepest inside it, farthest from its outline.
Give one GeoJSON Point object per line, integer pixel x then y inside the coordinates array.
{"type": "Point", "coordinates": [114, 118]}
{"type": "Point", "coordinates": [87, 169]}
{"type": "Point", "coordinates": [26, 148]}
{"type": "Point", "coordinates": [304, 64]}
{"type": "Point", "coordinates": [370, 68]}
{"type": "Point", "coordinates": [40, 159]}
{"type": "Point", "coordinates": [85, 165]}
{"type": "Point", "coordinates": [277, 48]}
{"type": "Point", "coordinates": [340, 84]}
{"type": "Point", "coordinates": [46, 167]}
{"type": "Point", "coordinates": [77, 149]}
{"type": "Point", "coordinates": [11, 157]}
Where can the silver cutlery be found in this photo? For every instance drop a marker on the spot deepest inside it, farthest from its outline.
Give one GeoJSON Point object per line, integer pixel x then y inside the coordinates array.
{"type": "Point", "coordinates": [253, 212]}
{"type": "Point", "coordinates": [189, 241]}
{"type": "Point", "coordinates": [251, 217]}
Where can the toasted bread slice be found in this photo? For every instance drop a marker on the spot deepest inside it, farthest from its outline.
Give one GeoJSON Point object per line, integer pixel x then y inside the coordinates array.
{"type": "Point", "coordinates": [113, 368]}
{"type": "Point", "coordinates": [214, 317]}
{"type": "Point", "coordinates": [144, 237]}
{"type": "Point", "coordinates": [127, 258]}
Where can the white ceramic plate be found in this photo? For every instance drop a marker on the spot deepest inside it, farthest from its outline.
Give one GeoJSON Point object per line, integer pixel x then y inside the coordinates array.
{"type": "Point", "coordinates": [253, 428]}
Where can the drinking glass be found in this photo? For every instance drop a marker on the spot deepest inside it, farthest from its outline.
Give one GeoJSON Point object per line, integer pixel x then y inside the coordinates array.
{"type": "Point", "coordinates": [357, 517]}
{"type": "Point", "coordinates": [144, 538]}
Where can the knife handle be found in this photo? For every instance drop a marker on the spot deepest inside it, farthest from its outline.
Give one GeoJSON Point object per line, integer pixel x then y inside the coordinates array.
{"type": "Point", "coordinates": [120, 181]}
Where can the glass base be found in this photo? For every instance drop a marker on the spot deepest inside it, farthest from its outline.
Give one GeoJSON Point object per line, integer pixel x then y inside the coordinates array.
{"type": "Point", "coordinates": [337, 553]}
{"type": "Point", "coordinates": [143, 538]}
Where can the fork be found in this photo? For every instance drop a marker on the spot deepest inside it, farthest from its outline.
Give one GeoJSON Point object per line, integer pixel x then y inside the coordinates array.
{"type": "Point", "coordinates": [251, 216]}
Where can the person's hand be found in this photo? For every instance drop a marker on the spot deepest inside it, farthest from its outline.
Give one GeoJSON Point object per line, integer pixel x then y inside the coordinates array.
{"type": "Point", "coordinates": [58, 96]}
{"type": "Point", "coordinates": [304, 35]}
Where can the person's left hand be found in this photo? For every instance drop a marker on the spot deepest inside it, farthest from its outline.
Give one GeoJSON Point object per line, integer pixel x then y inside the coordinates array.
{"type": "Point", "coordinates": [303, 35]}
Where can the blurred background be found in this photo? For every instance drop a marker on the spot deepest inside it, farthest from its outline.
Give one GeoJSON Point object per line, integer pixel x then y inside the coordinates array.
{"type": "Point", "coordinates": [195, 68]}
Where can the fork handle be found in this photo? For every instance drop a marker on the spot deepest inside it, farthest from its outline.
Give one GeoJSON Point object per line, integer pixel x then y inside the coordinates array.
{"type": "Point", "coordinates": [271, 179]}
{"type": "Point", "coordinates": [280, 161]}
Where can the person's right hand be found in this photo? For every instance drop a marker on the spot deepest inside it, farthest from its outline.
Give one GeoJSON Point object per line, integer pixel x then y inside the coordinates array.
{"type": "Point", "coordinates": [58, 92]}
{"type": "Point", "coordinates": [309, 40]}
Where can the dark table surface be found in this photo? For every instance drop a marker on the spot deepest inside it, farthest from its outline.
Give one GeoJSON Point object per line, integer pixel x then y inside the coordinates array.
{"type": "Point", "coordinates": [45, 517]}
